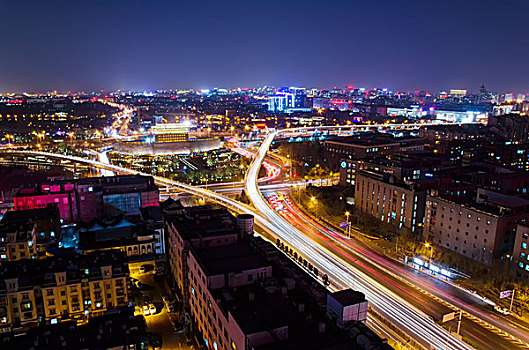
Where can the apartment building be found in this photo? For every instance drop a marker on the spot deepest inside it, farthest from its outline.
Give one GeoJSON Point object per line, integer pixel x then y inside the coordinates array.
{"type": "Point", "coordinates": [380, 196]}
{"type": "Point", "coordinates": [242, 293]}
{"type": "Point", "coordinates": [520, 254]}
{"type": "Point", "coordinates": [371, 144]}
{"type": "Point", "coordinates": [26, 234]}
{"type": "Point", "coordinates": [199, 226]}
{"type": "Point", "coordinates": [481, 229]}
{"type": "Point", "coordinates": [405, 167]}
{"type": "Point", "coordinates": [114, 331]}
{"type": "Point", "coordinates": [61, 288]}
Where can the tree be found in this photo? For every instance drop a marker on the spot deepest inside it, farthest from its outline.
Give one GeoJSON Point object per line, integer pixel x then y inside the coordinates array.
{"type": "Point", "coordinates": [243, 197]}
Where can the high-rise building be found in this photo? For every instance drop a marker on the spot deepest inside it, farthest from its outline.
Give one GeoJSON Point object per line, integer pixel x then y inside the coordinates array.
{"type": "Point", "coordinates": [281, 102]}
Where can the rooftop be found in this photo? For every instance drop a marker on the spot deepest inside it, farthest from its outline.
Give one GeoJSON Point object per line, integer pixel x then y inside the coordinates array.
{"type": "Point", "coordinates": [366, 139]}
{"type": "Point", "coordinates": [41, 272]}
{"type": "Point", "coordinates": [230, 258]}
{"type": "Point", "coordinates": [19, 216]}
{"type": "Point", "coordinates": [203, 221]}
{"type": "Point", "coordinates": [349, 297]}
{"type": "Point", "coordinates": [114, 330]}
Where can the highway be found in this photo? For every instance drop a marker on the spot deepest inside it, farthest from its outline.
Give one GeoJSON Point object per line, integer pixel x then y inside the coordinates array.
{"type": "Point", "coordinates": [421, 290]}
{"type": "Point", "coordinates": [397, 307]}
{"type": "Point", "coordinates": [265, 226]}
{"type": "Point", "coordinates": [342, 270]}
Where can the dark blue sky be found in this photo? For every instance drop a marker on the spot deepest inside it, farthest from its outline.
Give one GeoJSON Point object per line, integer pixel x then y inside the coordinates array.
{"type": "Point", "coordinates": [148, 44]}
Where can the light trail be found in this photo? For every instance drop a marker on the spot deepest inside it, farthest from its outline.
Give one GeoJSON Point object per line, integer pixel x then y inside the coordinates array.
{"type": "Point", "coordinates": [270, 228]}
{"type": "Point", "coordinates": [401, 313]}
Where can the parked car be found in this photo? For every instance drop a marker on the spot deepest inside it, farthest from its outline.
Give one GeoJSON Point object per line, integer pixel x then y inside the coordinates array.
{"type": "Point", "coordinates": [146, 311]}
{"type": "Point", "coordinates": [146, 268]}
{"type": "Point", "coordinates": [152, 309]}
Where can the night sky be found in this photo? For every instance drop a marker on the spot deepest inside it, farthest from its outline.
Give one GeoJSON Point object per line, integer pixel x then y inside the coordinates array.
{"type": "Point", "coordinates": [132, 44]}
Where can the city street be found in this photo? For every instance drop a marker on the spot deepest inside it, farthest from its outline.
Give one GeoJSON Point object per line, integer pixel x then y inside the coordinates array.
{"type": "Point", "coordinates": [345, 270]}
{"type": "Point", "coordinates": [162, 321]}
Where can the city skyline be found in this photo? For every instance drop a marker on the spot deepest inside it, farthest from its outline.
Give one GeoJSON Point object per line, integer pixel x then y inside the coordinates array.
{"type": "Point", "coordinates": [138, 46]}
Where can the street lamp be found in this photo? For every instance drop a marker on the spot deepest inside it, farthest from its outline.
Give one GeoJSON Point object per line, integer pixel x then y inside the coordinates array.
{"type": "Point", "coordinates": [428, 245]}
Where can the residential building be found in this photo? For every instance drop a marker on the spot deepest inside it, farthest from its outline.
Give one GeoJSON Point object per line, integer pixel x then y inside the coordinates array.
{"type": "Point", "coordinates": [480, 229]}
{"type": "Point", "coordinates": [189, 227]}
{"type": "Point", "coordinates": [242, 293]}
{"type": "Point", "coordinates": [510, 127]}
{"type": "Point", "coordinates": [453, 133]}
{"type": "Point", "coordinates": [507, 154]}
{"type": "Point", "coordinates": [362, 146]}
{"type": "Point", "coordinates": [26, 234]}
{"type": "Point", "coordinates": [405, 167]}
{"type": "Point", "coordinates": [379, 195]}
{"type": "Point", "coordinates": [371, 144]}
{"type": "Point", "coordinates": [499, 179]}
{"type": "Point", "coordinates": [120, 330]}
{"type": "Point", "coordinates": [61, 288]}
{"type": "Point", "coordinates": [520, 254]}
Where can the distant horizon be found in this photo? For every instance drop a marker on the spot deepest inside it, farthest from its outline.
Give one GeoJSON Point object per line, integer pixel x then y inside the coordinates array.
{"type": "Point", "coordinates": [345, 87]}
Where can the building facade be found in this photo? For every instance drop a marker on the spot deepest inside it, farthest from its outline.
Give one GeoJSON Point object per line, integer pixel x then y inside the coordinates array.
{"type": "Point", "coordinates": [520, 255]}
{"type": "Point", "coordinates": [400, 205]}
{"type": "Point", "coordinates": [86, 199]}
{"type": "Point", "coordinates": [62, 288]}
{"type": "Point", "coordinates": [481, 230]}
